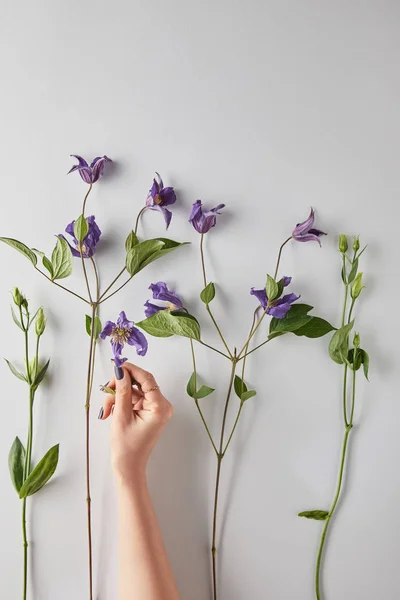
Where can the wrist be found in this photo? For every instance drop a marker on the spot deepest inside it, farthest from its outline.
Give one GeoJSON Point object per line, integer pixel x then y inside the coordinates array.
{"type": "Point", "coordinates": [131, 481]}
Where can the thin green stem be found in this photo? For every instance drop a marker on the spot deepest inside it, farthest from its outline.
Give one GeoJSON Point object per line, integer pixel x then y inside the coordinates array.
{"type": "Point", "coordinates": [242, 386]}
{"type": "Point", "coordinates": [254, 349]}
{"type": "Point", "coordinates": [215, 349]}
{"type": "Point", "coordinates": [196, 400]}
{"type": "Point", "coordinates": [85, 199]}
{"type": "Point", "coordinates": [345, 371]}
{"type": "Point", "coordinates": [62, 287]}
{"type": "Point", "coordinates": [218, 478]}
{"type": "Point", "coordinates": [346, 289]}
{"type": "Point", "coordinates": [96, 275]}
{"type": "Point", "coordinates": [278, 262]}
{"type": "Point", "coordinates": [203, 267]}
{"type": "Point", "coordinates": [328, 519]}
{"type": "Point", "coordinates": [122, 271]}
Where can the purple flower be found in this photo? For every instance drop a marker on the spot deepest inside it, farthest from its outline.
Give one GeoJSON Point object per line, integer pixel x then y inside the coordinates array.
{"type": "Point", "coordinates": [124, 332]}
{"type": "Point", "coordinates": [161, 292]}
{"type": "Point", "coordinates": [201, 220]}
{"type": "Point", "coordinates": [159, 197]}
{"type": "Point", "coordinates": [304, 232]}
{"type": "Point", "coordinates": [90, 173]}
{"type": "Point", "coordinates": [88, 245]}
{"type": "Point", "coordinates": [276, 308]}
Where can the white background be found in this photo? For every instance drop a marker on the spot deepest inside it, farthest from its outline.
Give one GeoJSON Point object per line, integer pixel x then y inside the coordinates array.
{"type": "Point", "coordinates": [270, 107]}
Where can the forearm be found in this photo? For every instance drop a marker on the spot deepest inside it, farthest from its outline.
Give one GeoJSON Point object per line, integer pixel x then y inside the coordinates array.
{"type": "Point", "coordinates": [144, 571]}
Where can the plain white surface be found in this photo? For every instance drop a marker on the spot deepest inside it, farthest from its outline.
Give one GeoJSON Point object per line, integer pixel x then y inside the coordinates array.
{"type": "Point", "coordinates": [269, 107]}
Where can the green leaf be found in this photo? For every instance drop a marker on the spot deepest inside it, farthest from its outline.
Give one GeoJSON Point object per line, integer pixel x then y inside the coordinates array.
{"type": "Point", "coordinates": [208, 293]}
{"type": "Point", "coordinates": [239, 386]}
{"type": "Point", "coordinates": [246, 395]}
{"type": "Point", "coordinates": [16, 463]}
{"type": "Point", "coordinates": [365, 362]}
{"type": "Point", "coordinates": [317, 515]}
{"type": "Point", "coordinates": [81, 228]}
{"type": "Point", "coordinates": [315, 328]}
{"type": "Point", "coordinates": [14, 371]}
{"type": "Point", "coordinates": [295, 318]}
{"type": "Point", "coordinates": [33, 368]}
{"type": "Point", "coordinates": [204, 391]}
{"type": "Point", "coordinates": [137, 255]}
{"type": "Point", "coordinates": [15, 319]}
{"type": "Point", "coordinates": [353, 271]}
{"type": "Point", "coordinates": [21, 248]}
{"type": "Point", "coordinates": [275, 334]}
{"type": "Point", "coordinates": [107, 390]}
{"type": "Point", "coordinates": [47, 264]}
{"type": "Point", "coordinates": [191, 386]}
{"type": "Point", "coordinates": [169, 246]}
{"type": "Point", "coordinates": [355, 365]}
{"type": "Point", "coordinates": [97, 326]}
{"type": "Point", "coordinates": [131, 241]}
{"type": "Point", "coordinates": [339, 344]}
{"type": "Point", "coordinates": [272, 288]}
{"type": "Point", "coordinates": [344, 275]}
{"type": "Point", "coordinates": [40, 376]}
{"type": "Point", "coordinates": [61, 259]}
{"type": "Point", "coordinates": [165, 323]}
{"type": "Point", "coordinates": [41, 473]}
{"type": "Point", "coordinates": [281, 287]}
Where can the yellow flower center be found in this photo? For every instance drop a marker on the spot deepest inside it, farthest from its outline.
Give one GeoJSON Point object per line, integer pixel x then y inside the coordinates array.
{"type": "Point", "coordinates": [120, 334]}
{"type": "Point", "coordinates": [157, 199]}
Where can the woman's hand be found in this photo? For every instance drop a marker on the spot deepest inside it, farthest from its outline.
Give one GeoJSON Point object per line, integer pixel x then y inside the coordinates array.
{"type": "Point", "coordinates": [138, 417]}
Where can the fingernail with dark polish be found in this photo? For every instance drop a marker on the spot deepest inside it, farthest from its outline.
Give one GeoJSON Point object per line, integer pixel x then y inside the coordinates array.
{"type": "Point", "coordinates": [101, 413]}
{"type": "Point", "coordinates": [119, 373]}
{"type": "Point", "coordinates": [106, 384]}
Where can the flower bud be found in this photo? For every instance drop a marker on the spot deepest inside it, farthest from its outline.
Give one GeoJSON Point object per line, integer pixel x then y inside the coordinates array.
{"type": "Point", "coordinates": [40, 322]}
{"type": "Point", "coordinates": [356, 244]}
{"type": "Point", "coordinates": [356, 340]}
{"type": "Point", "coordinates": [19, 299]}
{"type": "Point", "coordinates": [357, 286]}
{"type": "Point", "coordinates": [343, 245]}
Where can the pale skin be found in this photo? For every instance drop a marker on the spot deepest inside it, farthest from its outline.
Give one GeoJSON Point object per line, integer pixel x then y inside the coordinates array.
{"type": "Point", "coordinates": [137, 421]}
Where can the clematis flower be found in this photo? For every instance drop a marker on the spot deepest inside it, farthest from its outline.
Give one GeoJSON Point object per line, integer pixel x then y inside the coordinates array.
{"type": "Point", "coordinates": [88, 245]}
{"type": "Point", "coordinates": [277, 308]}
{"type": "Point", "coordinates": [124, 332]}
{"type": "Point", "coordinates": [161, 292]}
{"type": "Point", "coordinates": [304, 232]}
{"type": "Point", "coordinates": [90, 173]}
{"type": "Point", "coordinates": [159, 197]}
{"type": "Point", "coordinates": [202, 220]}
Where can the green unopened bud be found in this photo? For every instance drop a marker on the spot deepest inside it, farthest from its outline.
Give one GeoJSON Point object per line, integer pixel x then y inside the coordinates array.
{"type": "Point", "coordinates": [357, 286]}
{"type": "Point", "coordinates": [356, 244]}
{"type": "Point", "coordinates": [19, 299]}
{"type": "Point", "coordinates": [40, 322]}
{"type": "Point", "coordinates": [356, 340]}
{"type": "Point", "coordinates": [343, 245]}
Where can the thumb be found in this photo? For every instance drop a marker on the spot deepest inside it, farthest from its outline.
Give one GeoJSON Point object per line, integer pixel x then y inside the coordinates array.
{"type": "Point", "coordinates": [123, 396]}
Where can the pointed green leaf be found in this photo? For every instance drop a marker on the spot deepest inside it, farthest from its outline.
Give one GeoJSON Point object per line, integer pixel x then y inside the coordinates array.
{"type": "Point", "coordinates": [40, 376]}
{"type": "Point", "coordinates": [15, 319]}
{"type": "Point", "coordinates": [314, 328]}
{"type": "Point", "coordinates": [247, 395]}
{"type": "Point", "coordinates": [81, 228]}
{"type": "Point", "coordinates": [344, 275]}
{"type": "Point", "coordinates": [33, 368]}
{"type": "Point", "coordinates": [165, 324]}
{"type": "Point", "coordinates": [339, 344]}
{"type": "Point", "coordinates": [14, 371]}
{"type": "Point", "coordinates": [208, 293]}
{"type": "Point", "coordinates": [41, 473]}
{"type": "Point", "coordinates": [353, 271]}
{"type": "Point", "coordinates": [272, 288]}
{"type": "Point", "coordinates": [317, 515]}
{"type": "Point", "coordinates": [46, 262]}
{"type": "Point", "coordinates": [169, 246]}
{"type": "Point", "coordinates": [191, 386]}
{"type": "Point", "coordinates": [131, 241]}
{"type": "Point", "coordinates": [137, 255]}
{"type": "Point", "coordinates": [61, 259]}
{"type": "Point", "coordinates": [239, 386]}
{"type": "Point", "coordinates": [21, 248]}
{"type": "Point", "coordinates": [204, 391]}
{"type": "Point", "coordinates": [16, 463]}
{"type": "Point", "coordinates": [97, 326]}
{"type": "Point", "coordinates": [365, 362]}
{"type": "Point", "coordinates": [295, 318]}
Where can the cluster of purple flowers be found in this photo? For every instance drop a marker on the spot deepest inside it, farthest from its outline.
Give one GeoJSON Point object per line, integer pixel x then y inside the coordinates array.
{"type": "Point", "coordinates": [159, 197]}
